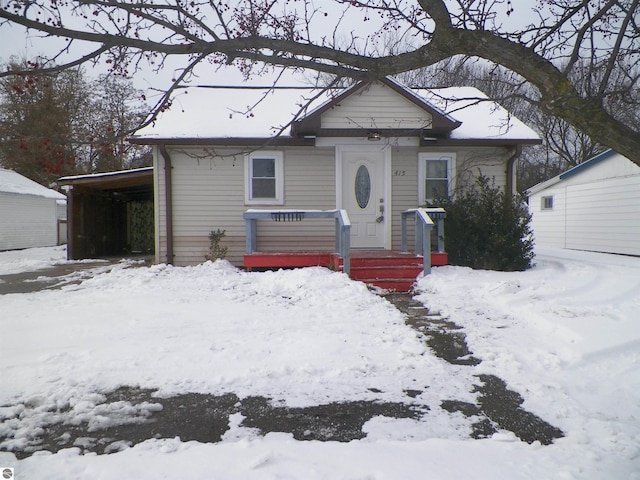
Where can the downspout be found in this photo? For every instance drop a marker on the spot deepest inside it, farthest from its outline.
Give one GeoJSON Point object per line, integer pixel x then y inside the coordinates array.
{"type": "Point", "coordinates": [168, 201]}
{"type": "Point", "coordinates": [71, 204]}
{"type": "Point", "coordinates": [511, 162]}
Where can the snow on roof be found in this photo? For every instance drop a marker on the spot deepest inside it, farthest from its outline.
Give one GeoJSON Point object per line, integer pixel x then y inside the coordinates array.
{"type": "Point", "coordinates": [571, 172]}
{"type": "Point", "coordinates": [13, 182]}
{"type": "Point", "coordinates": [481, 117]}
{"type": "Point", "coordinates": [106, 174]}
{"type": "Point", "coordinates": [201, 112]}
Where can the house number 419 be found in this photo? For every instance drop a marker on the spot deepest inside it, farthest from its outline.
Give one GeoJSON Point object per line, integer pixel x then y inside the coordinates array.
{"type": "Point", "coordinates": [400, 173]}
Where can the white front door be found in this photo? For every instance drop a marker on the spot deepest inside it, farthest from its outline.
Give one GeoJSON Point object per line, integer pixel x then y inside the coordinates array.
{"type": "Point", "coordinates": [363, 194]}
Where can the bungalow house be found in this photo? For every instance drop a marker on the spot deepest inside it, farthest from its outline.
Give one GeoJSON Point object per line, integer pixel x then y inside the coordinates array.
{"type": "Point", "coordinates": [30, 215]}
{"type": "Point", "coordinates": [229, 158]}
{"type": "Point", "coordinates": [594, 206]}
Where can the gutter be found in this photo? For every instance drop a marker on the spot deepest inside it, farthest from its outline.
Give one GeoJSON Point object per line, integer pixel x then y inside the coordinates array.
{"type": "Point", "coordinates": [168, 201]}
{"type": "Point", "coordinates": [511, 162]}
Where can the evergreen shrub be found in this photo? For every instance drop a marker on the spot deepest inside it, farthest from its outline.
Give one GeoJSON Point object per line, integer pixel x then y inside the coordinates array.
{"type": "Point", "coordinates": [488, 229]}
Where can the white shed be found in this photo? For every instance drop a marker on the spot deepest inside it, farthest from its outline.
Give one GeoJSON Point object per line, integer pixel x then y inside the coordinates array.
{"type": "Point", "coordinates": [30, 215]}
{"type": "Point", "coordinates": [594, 206]}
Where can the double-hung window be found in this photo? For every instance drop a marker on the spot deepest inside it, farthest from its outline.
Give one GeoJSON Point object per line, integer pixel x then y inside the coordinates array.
{"type": "Point", "coordinates": [435, 174]}
{"type": "Point", "coordinates": [264, 178]}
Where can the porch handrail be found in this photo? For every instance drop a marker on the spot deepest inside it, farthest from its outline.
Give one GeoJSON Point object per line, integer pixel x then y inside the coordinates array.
{"type": "Point", "coordinates": [343, 228]}
{"type": "Point", "coordinates": [424, 224]}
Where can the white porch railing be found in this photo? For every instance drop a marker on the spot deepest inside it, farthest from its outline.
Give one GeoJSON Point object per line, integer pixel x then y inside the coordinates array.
{"type": "Point", "coordinates": [343, 227]}
{"type": "Point", "coordinates": [424, 223]}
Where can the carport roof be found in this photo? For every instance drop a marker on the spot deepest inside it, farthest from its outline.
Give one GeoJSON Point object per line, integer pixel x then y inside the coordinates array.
{"type": "Point", "coordinates": [134, 183]}
{"type": "Point", "coordinates": [111, 180]}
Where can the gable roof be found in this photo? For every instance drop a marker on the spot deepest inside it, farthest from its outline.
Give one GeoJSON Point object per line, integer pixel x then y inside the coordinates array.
{"type": "Point", "coordinates": [571, 172]}
{"type": "Point", "coordinates": [311, 122]}
{"type": "Point", "coordinates": [291, 115]}
{"type": "Point", "coordinates": [14, 183]}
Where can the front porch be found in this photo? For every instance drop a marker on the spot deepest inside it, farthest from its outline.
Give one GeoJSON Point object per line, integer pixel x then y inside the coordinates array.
{"type": "Point", "coordinates": [388, 269]}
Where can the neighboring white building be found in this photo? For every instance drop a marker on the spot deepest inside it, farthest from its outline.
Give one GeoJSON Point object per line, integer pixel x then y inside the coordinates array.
{"type": "Point", "coordinates": [594, 206]}
{"type": "Point", "coordinates": [30, 215]}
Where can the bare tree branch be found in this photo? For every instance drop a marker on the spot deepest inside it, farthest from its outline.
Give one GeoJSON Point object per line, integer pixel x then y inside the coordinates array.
{"type": "Point", "coordinates": [57, 68]}
{"type": "Point", "coordinates": [251, 33]}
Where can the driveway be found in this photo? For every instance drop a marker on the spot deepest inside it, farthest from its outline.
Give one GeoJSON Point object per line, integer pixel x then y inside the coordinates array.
{"type": "Point", "coordinates": [61, 275]}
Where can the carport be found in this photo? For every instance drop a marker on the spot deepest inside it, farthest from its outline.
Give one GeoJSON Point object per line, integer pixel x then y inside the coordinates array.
{"type": "Point", "coordinates": [110, 214]}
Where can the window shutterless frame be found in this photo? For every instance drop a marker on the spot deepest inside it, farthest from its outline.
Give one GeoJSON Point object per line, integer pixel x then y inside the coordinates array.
{"type": "Point", "coordinates": [264, 178]}
{"type": "Point", "coordinates": [547, 203]}
{"type": "Point", "coordinates": [436, 173]}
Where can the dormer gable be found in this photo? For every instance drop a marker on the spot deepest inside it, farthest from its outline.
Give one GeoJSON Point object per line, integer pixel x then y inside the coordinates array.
{"type": "Point", "coordinates": [384, 106]}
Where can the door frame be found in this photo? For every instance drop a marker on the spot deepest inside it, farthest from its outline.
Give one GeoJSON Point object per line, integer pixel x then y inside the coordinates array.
{"type": "Point", "coordinates": [386, 169]}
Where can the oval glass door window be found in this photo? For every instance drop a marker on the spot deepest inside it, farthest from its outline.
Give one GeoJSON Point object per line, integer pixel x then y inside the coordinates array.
{"type": "Point", "coordinates": [363, 186]}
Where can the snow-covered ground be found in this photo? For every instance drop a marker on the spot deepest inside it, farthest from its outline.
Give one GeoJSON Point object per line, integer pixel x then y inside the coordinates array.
{"type": "Point", "coordinates": [565, 335]}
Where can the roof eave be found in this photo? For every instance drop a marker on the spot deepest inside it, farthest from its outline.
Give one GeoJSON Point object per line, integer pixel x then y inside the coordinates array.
{"type": "Point", "coordinates": [120, 179]}
{"type": "Point", "coordinates": [479, 142]}
{"type": "Point", "coordinates": [226, 141]}
{"type": "Point", "coordinates": [587, 164]}
{"type": "Point", "coordinates": [571, 172]}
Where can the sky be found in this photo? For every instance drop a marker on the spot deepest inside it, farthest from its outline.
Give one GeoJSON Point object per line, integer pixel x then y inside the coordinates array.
{"type": "Point", "coordinates": [563, 335]}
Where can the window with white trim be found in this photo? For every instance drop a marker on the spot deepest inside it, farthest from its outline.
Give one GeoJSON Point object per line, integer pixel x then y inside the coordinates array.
{"type": "Point", "coordinates": [547, 203]}
{"type": "Point", "coordinates": [264, 178]}
{"type": "Point", "coordinates": [435, 176]}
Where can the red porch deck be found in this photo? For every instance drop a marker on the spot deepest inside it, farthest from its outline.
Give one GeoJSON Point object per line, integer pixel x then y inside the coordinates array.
{"type": "Point", "coordinates": [387, 269]}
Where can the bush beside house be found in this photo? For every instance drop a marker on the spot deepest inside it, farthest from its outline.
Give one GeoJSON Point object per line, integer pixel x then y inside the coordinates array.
{"type": "Point", "coordinates": [488, 229]}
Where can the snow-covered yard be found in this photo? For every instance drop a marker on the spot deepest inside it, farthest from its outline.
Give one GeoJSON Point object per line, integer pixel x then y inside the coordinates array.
{"type": "Point", "coordinates": [565, 335]}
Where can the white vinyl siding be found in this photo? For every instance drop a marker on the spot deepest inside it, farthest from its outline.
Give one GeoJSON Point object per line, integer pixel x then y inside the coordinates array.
{"type": "Point", "coordinates": [597, 209]}
{"type": "Point", "coordinates": [604, 216]}
{"type": "Point", "coordinates": [376, 107]}
{"type": "Point", "coordinates": [549, 225]}
{"type": "Point", "coordinates": [27, 221]}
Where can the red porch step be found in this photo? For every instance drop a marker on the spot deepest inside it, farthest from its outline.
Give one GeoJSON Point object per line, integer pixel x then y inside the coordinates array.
{"type": "Point", "coordinates": [287, 259]}
{"type": "Point", "coordinates": [384, 269]}
{"type": "Point", "coordinates": [387, 270]}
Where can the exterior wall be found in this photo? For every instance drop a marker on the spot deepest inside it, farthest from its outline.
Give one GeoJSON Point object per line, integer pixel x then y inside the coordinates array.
{"type": "Point", "coordinates": [604, 216]}
{"type": "Point", "coordinates": [159, 206]}
{"type": "Point", "coordinates": [61, 209]}
{"type": "Point", "coordinates": [208, 193]}
{"type": "Point", "coordinates": [470, 162]}
{"type": "Point", "coordinates": [27, 221]}
{"type": "Point", "coordinates": [597, 209]}
{"type": "Point", "coordinates": [549, 225]}
{"type": "Point", "coordinates": [404, 192]}
{"type": "Point", "coordinates": [376, 107]}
